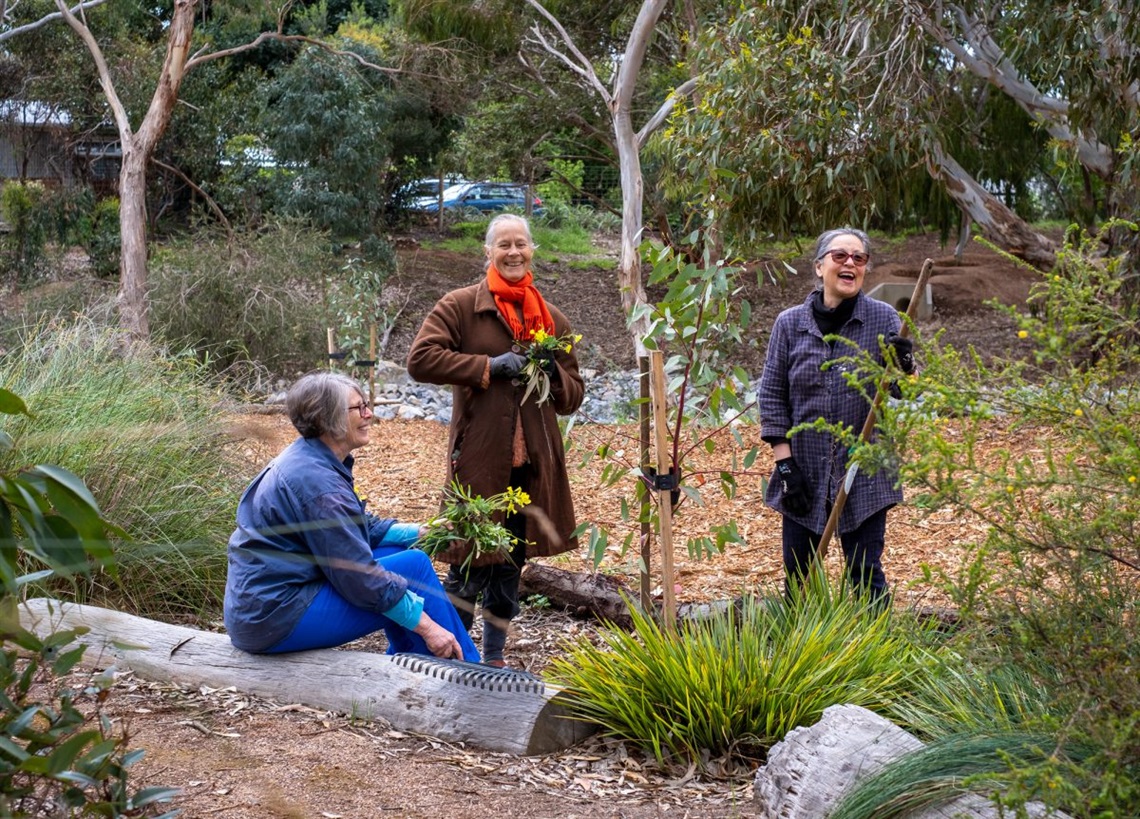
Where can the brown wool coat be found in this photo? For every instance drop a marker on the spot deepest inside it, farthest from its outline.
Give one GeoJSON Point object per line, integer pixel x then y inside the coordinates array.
{"type": "Point", "coordinates": [452, 347]}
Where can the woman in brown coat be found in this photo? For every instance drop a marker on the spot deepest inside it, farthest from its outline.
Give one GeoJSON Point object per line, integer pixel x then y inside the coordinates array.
{"type": "Point", "coordinates": [475, 339]}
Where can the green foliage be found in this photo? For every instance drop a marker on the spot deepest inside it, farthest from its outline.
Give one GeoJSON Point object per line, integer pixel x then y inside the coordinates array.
{"type": "Point", "coordinates": [105, 239]}
{"type": "Point", "coordinates": [738, 682]}
{"type": "Point", "coordinates": [354, 300]}
{"type": "Point", "coordinates": [22, 206]}
{"type": "Point", "coordinates": [147, 435]}
{"type": "Point", "coordinates": [592, 220]}
{"type": "Point", "coordinates": [982, 693]}
{"type": "Point", "coordinates": [471, 522]}
{"type": "Point", "coordinates": [53, 756]}
{"type": "Point", "coordinates": [248, 183]}
{"type": "Point", "coordinates": [1054, 582]}
{"type": "Point", "coordinates": [71, 214]}
{"type": "Point", "coordinates": [259, 298]}
{"type": "Point", "coordinates": [565, 182]}
{"type": "Point", "coordinates": [698, 326]}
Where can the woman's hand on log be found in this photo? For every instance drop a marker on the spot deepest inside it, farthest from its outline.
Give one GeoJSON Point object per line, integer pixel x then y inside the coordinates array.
{"type": "Point", "coordinates": [440, 641]}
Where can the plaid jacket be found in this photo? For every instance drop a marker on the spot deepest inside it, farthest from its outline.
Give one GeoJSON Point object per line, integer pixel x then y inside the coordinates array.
{"type": "Point", "coordinates": [794, 389]}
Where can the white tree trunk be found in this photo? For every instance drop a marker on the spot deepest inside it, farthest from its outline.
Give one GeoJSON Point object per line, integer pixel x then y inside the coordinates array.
{"type": "Point", "coordinates": [460, 702]}
{"type": "Point", "coordinates": [137, 151]}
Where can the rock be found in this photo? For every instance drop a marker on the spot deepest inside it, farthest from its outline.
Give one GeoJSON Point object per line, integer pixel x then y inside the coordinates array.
{"type": "Point", "coordinates": [812, 769]}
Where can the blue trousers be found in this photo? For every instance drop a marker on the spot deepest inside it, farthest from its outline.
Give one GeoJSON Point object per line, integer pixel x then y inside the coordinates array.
{"type": "Point", "coordinates": [331, 620]}
{"type": "Point", "coordinates": [862, 554]}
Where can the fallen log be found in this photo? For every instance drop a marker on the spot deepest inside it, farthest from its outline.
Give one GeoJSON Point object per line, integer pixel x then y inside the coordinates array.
{"type": "Point", "coordinates": [598, 596]}
{"type": "Point", "coordinates": [604, 598]}
{"type": "Point", "coordinates": [585, 595]}
{"type": "Point", "coordinates": [494, 709]}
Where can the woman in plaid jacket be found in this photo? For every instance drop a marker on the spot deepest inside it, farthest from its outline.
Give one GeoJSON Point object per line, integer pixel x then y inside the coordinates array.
{"type": "Point", "coordinates": [796, 388]}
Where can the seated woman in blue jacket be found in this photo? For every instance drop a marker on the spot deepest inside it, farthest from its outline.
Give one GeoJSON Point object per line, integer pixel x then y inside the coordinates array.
{"type": "Point", "coordinates": [309, 567]}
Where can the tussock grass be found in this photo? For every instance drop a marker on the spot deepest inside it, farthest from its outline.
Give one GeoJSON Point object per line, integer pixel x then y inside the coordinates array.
{"type": "Point", "coordinates": [738, 682]}
{"type": "Point", "coordinates": [979, 763]}
{"type": "Point", "coordinates": [145, 433]}
{"type": "Point", "coordinates": [963, 696]}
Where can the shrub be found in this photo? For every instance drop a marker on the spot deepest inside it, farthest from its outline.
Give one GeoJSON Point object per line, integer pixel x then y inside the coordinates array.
{"type": "Point", "coordinates": [257, 298]}
{"type": "Point", "coordinates": [55, 759]}
{"type": "Point", "coordinates": [104, 243]}
{"type": "Point", "coordinates": [355, 298]}
{"type": "Point", "coordinates": [146, 433]}
{"type": "Point", "coordinates": [21, 205]}
{"type": "Point", "coordinates": [1053, 584]}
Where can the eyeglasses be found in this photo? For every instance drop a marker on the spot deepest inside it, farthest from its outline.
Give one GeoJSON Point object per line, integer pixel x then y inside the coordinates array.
{"type": "Point", "coordinates": [363, 408]}
{"type": "Point", "coordinates": [841, 256]}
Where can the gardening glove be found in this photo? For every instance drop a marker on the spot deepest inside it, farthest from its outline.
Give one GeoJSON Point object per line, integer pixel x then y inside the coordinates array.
{"type": "Point", "coordinates": [797, 493]}
{"type": "Point", "coordinates": [507, 365]}
{"type": "Point", "coordinates": [545, 360]}
{"type": "Point", "coordinates": [904, 351]}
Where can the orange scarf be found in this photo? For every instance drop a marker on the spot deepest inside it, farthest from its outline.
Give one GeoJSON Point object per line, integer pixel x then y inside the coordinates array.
{"type": "Point", "coordinates": [509, 295]}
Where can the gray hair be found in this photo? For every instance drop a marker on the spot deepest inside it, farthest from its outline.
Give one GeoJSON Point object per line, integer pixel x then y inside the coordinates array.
{"type": "Point", "coordinates": [315, 404]}
{"type": "Point", "coordinates": [823, 243]}
{"type": "Point", "coordinates": [493, 228]}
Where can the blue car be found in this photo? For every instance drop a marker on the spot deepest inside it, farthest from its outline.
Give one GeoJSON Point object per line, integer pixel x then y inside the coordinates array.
{"type": "Point", "coordinates": [486, 197]}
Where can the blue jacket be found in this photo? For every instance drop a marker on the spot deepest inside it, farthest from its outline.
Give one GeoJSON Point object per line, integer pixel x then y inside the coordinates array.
{"type": "Point", "coordinates": [300, 524]}
{"type": "Point", "coordinates": [796, 389]}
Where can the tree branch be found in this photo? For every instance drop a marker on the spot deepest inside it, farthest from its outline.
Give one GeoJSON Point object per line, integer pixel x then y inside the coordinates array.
{"type": "Point", "coordinates": [660, 115]}
{"type": "Point", "coordinates": [278, 36]}
{"type": "Point", "coordinates": [43, 21]}
{"type": "Point", "coordinates": [584, 68]}
{"type": "Point", "coordinates": [118, 111]}
{"type": "Point", "coordinates": [986, 59]}
{"type": "Point", "coordinates": [194, 187]}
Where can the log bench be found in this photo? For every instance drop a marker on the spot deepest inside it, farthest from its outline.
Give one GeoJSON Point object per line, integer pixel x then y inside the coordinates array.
{"type": "Point", "coordinates": [489, 708]}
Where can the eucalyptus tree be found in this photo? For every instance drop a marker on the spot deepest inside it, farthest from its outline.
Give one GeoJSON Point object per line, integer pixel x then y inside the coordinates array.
{"type": "Point", "coordinates": [816, 111]}
{"type": "Point", "coordinates": [809, 116]}
{"type": "Point", "coordinates": [174, 50]}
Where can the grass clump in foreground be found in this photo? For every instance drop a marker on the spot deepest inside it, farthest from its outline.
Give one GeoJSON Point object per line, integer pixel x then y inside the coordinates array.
{"type": "Point", "coordinates": [145, 433]}
{"type": "Point", "coordinates": [738, 682]}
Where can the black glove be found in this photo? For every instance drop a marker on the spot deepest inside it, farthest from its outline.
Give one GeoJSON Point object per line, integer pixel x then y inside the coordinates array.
{"type": "Point", "coordinates": [507, 365]}
{"type": "Point", "coordinates": [545, 360]}
{"type": "Point", "coordinates": [797, 493]}
{"type": "Point", "coordinates": [904, 351]}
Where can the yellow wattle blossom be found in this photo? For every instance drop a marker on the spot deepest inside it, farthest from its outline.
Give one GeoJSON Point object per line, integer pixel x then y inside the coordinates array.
{"type": "Point", "coordinates": [1023, 334]}
{"type": "Point", "coordinates": [515, 499]}
{"type": "Point", "coordinates": [1078, 412]}
{"type": "Point", "coordinates": [1132, 479]}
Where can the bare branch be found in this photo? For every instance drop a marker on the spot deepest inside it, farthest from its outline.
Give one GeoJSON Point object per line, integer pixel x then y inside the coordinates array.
{"type": "Point", "coordinates": [117, 109]}
{"type": "Point", "coordinates": [277, 36]}
{"type": "Point", "coordinates": [583, 67]}
{"type": "Point", "coordinates": [986, 59]}
{"type": "Point", "coordinates": [43, 21]}
{"type": "Point", "coordinates": [198, 190]}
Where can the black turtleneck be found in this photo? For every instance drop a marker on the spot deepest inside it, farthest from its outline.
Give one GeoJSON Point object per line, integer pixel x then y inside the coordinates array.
{"type": "Point", "coordinates": [830, 320]}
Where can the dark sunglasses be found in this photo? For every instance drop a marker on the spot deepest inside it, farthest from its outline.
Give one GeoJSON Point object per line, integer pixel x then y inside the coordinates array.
{"type": "Point", "coordinates": [841, 256]}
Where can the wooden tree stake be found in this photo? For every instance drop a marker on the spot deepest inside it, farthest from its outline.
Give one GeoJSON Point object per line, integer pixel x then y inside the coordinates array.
{"type": "Point", "coordinates": [665, 500]}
